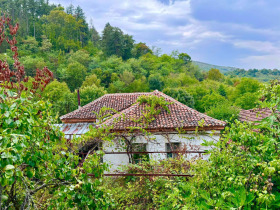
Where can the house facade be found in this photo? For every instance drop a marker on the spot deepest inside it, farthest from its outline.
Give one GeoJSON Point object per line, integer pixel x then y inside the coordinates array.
{"type": "Point", "coordinates": [180, 128]}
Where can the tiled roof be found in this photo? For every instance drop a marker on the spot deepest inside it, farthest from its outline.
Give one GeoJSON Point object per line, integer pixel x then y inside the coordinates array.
{"type": "Point", "coordinates": [253, 115]}
{"type": "Point", "coordinates": [180, 116]}
{"type": "Point", "coordinates": [117, 101]}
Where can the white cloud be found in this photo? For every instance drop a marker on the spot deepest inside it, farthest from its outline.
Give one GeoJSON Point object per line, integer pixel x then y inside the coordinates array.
{"type": "Point", "coordinates": [258, 46]}
{"type": "Point", "coordinates": [269, 61]}
{"type": "Point", "coordinates": [161, 23]}
{"type": "Point", "coordinates": [173, 26]}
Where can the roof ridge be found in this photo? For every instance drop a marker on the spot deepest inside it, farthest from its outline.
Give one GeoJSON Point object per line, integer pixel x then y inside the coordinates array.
{"type": "Point", "coordinates": [184, 105]}
{"type": "Point", "coordinates": [108, 94]}
{"type": "Point", "coordinates": [98, 99]}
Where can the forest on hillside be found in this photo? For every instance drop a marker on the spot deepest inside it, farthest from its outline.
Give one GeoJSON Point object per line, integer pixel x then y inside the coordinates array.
{"type": "Point", "coordinates": [41, 169]}
{"type": "Point", "coordinates": [112, 62]}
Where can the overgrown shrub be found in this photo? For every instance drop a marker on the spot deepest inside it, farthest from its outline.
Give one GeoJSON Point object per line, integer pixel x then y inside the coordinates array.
{"type": "Point", "coordinates": [154, 192]}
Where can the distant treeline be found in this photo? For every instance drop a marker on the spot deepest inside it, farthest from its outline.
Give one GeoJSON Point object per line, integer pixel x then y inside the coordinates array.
{"type": "Point", "coordinates": [113, 62]}
{"type": "Point", "coordinates": [260, 74]}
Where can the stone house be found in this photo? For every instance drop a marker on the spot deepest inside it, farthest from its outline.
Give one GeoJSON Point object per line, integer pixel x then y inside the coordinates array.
{"type": "Point", "coordinates": [180, 128]}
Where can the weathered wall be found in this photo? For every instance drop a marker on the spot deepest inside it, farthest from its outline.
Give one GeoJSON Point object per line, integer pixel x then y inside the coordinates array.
{"type": "Point", "coordinates": [157, 142]}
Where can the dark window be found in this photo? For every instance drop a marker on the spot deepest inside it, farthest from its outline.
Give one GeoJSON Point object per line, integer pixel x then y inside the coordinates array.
{"type": "Point", "coordinates": [93, 147]}
{"type": "Point", "coordinates": [171, 149]}
{"type": "Point", "coordinates": [138, 158]}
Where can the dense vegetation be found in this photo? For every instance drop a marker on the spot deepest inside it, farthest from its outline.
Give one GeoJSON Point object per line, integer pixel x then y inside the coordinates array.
{"type": "Point", "coordinates": [40, 169]}
{"type": "Point", "coordinates": [263, 75]}
{"type": "Point", "coordinates": [260, 74]}
{"type": "Point", "coordinates": [111, 62]}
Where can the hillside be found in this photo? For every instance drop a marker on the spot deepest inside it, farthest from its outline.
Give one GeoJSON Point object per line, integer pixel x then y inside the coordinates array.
{"type": "Point", "coordinates": [207, 67]}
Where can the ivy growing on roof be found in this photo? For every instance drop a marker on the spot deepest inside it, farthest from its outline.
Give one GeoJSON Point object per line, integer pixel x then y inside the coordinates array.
{"type": "Point", "coordinates": [153, 106]}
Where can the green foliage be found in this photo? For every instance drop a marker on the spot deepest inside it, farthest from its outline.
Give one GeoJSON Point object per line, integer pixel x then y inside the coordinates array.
{"type": "Point", "coordinates": [140, 49]}
{"type": "Point", "coordinates": [153, 106]}
{"type": "Point", "coordinates": [46, 45]}
{"type": "Point", "coordinates": [32, 63]}
{"type": "Point", "coordinates": [63, 30]}
{"type": "Point", "coordinates": [80, 56]}
{"type": "Point", "coordinates": [90, 93]}
{"type": "Point", "coordinates": [215, 74]}
{"type": "Point", "coordinates": [185, 57]}
{"type": "Point", "coordinates": [222, 90]}
{"type": "Point", "coordinates": [247, 100]}
{"type": "Point", "coordinates": [243, 170]}
{"type": "Point", "coordinates": [246, 93]}
{"type": "Point", "coordinates": [181, 95]}
{"type": "Point", "coordinates": [210, 100]}
{"type": "Point", "coordinates": [30, 45]}
{"type": "Point", "coordinates": [36, 160]}
{"type": "Point", "coordinates": [60, 96]}
{"type": "Point", "coordinates": [264, 75]}
{"type": "Point", "coordinates": [75, 75]}
{"type": "Point", "coordinates": [247, 85]}
{"type": "Point", "coordinates": [150, 192]}
{"type": "Point", "coordinates": [223, 111]}
{"type": "Point", "coordinates": [114, 42]}
{"type": "Point", "coordinates": [156, 82]}
{"type": "Point", "coordinates": [91, 80]}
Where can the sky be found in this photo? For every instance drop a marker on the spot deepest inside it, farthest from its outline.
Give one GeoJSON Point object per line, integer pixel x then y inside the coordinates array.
{"type": "Point", "coordinates": [237, 33]}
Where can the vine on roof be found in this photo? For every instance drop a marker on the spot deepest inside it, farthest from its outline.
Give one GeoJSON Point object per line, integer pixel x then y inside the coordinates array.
{"type": "Point", "coordinates": [153, 106]}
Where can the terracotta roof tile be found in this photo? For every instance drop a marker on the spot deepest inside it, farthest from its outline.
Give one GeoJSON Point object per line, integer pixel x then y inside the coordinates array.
{"type": "Point", "coordinates": [180, 116]}
{"type": "Point", "coordinates": [253, 115]}
{"type": "Point", "coordinates": [117, 101]}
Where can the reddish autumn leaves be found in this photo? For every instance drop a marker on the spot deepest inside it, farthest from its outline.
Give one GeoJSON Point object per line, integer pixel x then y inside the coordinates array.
{"type": "Point", "coordinates": [15, 78]}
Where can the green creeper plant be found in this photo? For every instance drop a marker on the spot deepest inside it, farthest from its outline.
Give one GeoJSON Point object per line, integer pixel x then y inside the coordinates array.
{"type": "Point", "coordinates": [36, 159]}
{"type": "Point", "coordinates": [243, 171]}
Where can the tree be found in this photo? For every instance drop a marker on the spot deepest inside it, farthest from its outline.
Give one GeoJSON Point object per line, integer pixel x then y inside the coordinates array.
{"type": "Point", "coordinates": [222, 90]}
{"type": "Point", "coordinates": [247, 100]}
{"type": "Point", "coordinates": [63, 30]}
{"type": "Point", "coordinates": [223, 111]}
{"type": "Point", "coordinates": [181, 95]}
{"type": "Point", "coordinates": [114, 42]}
{"type": "Point", "coordinates": [70, 9]}
{"type": "Point", "coordinates": [75, 75]}
{"type": "Point", "coordinates": [63, 101]}
{"type": "Point", "coordinates": [242, 171]}
{"type": "Point", "coordinates": [155, 82]}
{"type": "Point", "coordinates": [185, 57]}
{"type": "Point", "coordinates": [140, 49]}
{"type": "Point", "coordinates": [46, 45]}
{"type": "Point", "coordinates": [30, 45]}
{"type": "Point", "coordinates": [91, 80]}
{"type": "Point", "coordinates": [80, 56]}
{"type": "Point", "coordinates": [90, 93]}
{"type": "Point", "coordinates": [31, 64]}
{"type": "Point", "coordinates": [127, 77]}
{"type": "Point", "coordinates": [215, 74]}
{"type": "Point", "coordinates": [209, 100]}
{"type": "Point", "coordinates": [94, 35]}
{"type": "Point", "coordinates": [247, 85]}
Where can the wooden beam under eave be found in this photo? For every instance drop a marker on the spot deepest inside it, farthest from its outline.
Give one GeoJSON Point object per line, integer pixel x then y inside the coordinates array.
{"type": "Point", "coordinates": [205, 128]}
{"type": "Point", "coordinates": [89, 120]}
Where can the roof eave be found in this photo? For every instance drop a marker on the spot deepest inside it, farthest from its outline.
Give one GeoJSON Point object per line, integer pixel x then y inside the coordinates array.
{"type": "Point", "coordinates": [77, 120]}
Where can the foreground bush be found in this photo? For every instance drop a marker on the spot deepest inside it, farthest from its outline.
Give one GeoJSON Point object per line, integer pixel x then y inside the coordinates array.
{"type": "Point", "coordinates": [153, 192]}
{"type": "Point", "coordinates": [244, 169]}
{"type": "Point", "coordinates": [37, 167]}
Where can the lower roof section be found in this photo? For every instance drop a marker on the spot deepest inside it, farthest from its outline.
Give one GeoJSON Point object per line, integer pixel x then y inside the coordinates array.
{"type": "Point", "coordinates": [71, 129]}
